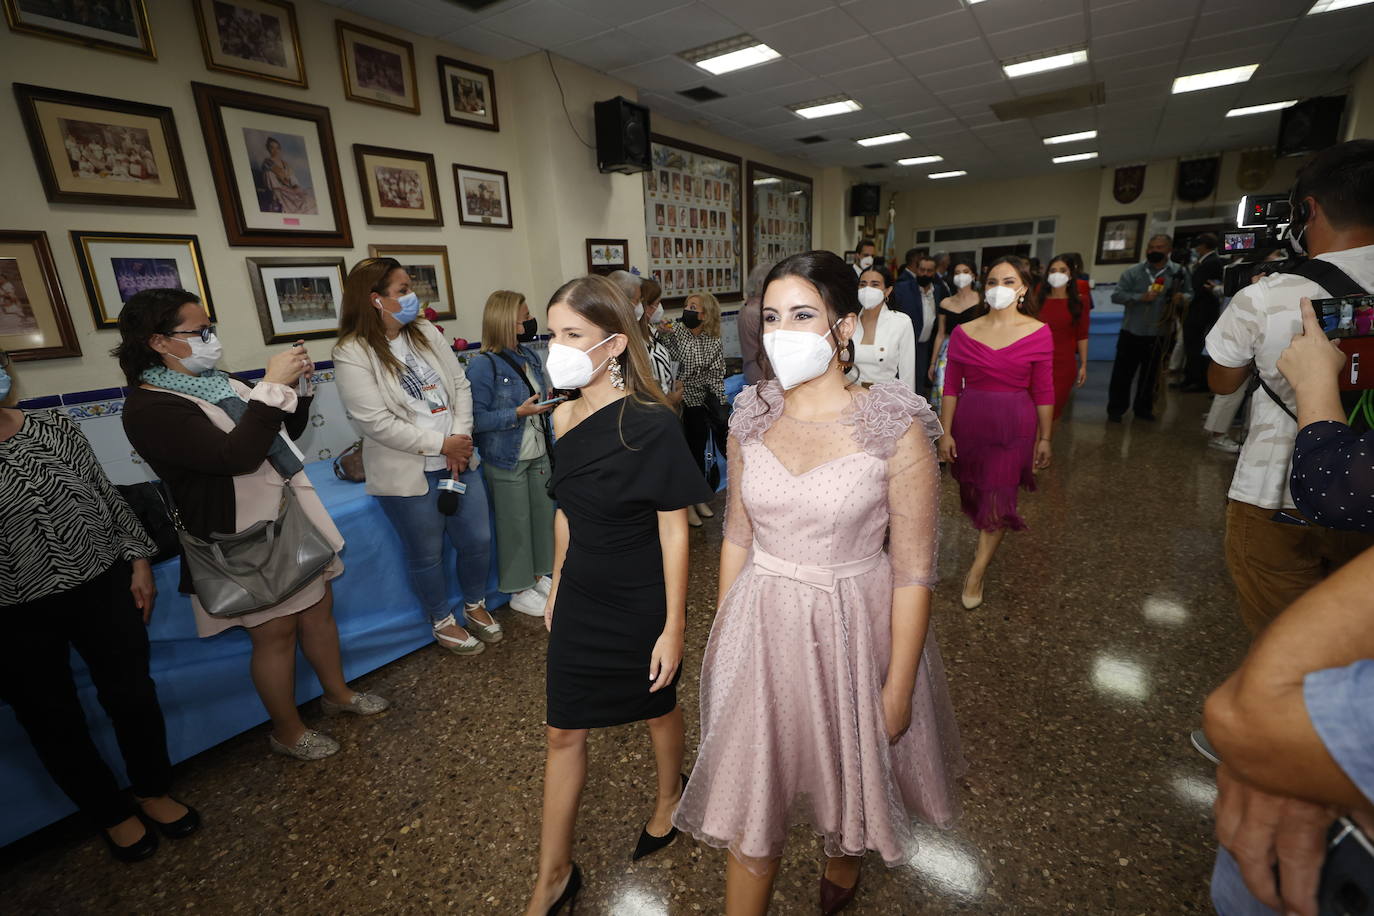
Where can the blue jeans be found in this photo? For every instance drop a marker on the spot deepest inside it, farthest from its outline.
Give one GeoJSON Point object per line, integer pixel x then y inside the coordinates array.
{"type": "Point", "coordinates": [1230, 896]}
{"type": "Point", "coordinates": [422, 527]}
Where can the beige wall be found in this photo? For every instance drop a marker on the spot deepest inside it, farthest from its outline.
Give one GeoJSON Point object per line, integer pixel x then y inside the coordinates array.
{"type": "Point", "coordinates": [1359, 123]}
{"type": "Point", "coordinates": [559, 199]}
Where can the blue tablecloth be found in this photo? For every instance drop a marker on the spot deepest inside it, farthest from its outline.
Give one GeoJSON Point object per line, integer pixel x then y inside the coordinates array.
{"type": "Point", "coordinates": [203, 684]}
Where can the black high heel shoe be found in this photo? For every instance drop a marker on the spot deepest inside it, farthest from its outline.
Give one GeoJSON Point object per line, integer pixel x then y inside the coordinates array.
{"type": "Point", "coordinates": [134, 852]}
{"type": "Point", "coordinates": [648, 843]}
{"type": "Point", "coordinates": [569, 896]}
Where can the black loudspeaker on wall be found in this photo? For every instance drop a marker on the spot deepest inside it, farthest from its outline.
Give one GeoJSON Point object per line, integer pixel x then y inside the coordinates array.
{"type": "Point", "coordinates": [865, 199]}
{"type": "Point", "coordinates": [622, 136]}
{"type": "Point", "coordinates": [1310, 126]}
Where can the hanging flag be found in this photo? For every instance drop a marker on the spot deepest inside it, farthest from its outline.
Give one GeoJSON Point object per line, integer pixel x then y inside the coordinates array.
{"type": "Point", "coordinates": [1255, 170]}
{"type": "Point", "coordinates": [1129, 182]}
{"type": "Point", "coordinates": [1197, 178]}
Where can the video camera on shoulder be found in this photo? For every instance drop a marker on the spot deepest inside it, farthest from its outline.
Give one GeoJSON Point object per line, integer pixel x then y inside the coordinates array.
{"type": "Point", "coordinates": [1261, 223]}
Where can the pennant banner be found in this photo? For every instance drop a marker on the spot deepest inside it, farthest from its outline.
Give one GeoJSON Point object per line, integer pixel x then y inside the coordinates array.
{"type": "Point", "coordinates": [1197, 178]}
{"type": "Point", "coordinates": [1129, 182]}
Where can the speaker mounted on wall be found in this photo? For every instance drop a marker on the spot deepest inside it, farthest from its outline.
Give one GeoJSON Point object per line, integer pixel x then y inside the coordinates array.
{"type": "Point", "coordinates": [1310, 126]}
{"type": "Point", "coordinates": [865, 199]}
{"type": "Point", "coordinates": [622, 136]}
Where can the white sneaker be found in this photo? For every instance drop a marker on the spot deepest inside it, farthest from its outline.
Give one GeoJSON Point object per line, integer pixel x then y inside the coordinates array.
{"type": "Point", "coordinates": [545, 585]}
{"type": "Point", "coordinates": [530, 602]}
{"type": "Point", "coordinates": [1224, 444]}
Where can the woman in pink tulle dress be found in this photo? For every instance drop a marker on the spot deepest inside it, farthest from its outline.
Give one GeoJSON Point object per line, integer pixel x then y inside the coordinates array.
{"type": "Point", "coordinates": [997, 411]}
{"type": "Point", "coordinates": [823, 696]}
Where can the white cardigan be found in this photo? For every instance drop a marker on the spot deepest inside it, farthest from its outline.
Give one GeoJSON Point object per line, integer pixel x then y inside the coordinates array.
{"type": "Point", "coordinates": [892, 353]}
{"type": "Point", "coordinates": [394, 446]}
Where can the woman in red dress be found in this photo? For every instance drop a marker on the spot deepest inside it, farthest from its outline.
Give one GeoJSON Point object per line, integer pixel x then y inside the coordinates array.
{"type": "Point", "coordinates": [1062, 308]}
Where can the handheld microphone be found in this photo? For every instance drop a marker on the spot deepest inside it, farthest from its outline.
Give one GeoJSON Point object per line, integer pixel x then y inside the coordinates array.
{"type": "Point", "coordinates": [450, 490]}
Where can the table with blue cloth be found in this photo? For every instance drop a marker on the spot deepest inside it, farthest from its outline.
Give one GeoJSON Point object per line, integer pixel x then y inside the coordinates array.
{"type": "Point", "coordinates": [206, 693]}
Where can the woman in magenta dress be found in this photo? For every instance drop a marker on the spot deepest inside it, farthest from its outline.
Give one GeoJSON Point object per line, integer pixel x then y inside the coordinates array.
{"type": "Point", "coordinates": [823, 696]}
{"type": "Point", "coordinates": [1063, 309]}
{"type": "Point", "coordinates": [998, 411]}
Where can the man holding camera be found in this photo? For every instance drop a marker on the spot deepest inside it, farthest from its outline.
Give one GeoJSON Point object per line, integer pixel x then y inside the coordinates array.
{"type": "Point", "coordinates": [1274, 553]}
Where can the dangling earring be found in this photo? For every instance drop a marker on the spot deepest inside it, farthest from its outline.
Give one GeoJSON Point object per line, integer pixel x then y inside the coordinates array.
{"type": "Point", "coordinates": [617, 378]}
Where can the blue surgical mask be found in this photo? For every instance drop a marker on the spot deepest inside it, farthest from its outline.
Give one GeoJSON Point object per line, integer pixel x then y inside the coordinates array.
{"type": "Point", "coordinates": [5, 384]}
{"type": "Point", "coordinates": [410, 308]}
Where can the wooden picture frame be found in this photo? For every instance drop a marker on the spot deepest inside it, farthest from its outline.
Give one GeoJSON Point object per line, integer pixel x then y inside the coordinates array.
{"type": "Point", "coordinates": [95, 150]}
{"type": "Point", "coordinates": [125, 30]}
{"type": "Point", "coordinates": [477, 204]}
{"type": "Point", "coordinates": [607, 255]}
{"type": "Point", "coordinates": [778, 215]}
{"type": "Point", "coordinates": [400, 187]}
{"type": "Point", "coordinates": [260, 39]}
{"type": "Point", "coordinates": [297, 298]}
{"type": "Point", "coordinates": [693, 198]}
{"type": "Point", "coordinates": [35, 322]}
{"type": "Point", "coordinates": [377, 69]}
{"type": "Point", "coordinates": [468, 92]}
{"type": "Point", "coordinates": [1124, 234]}
{"type": "Point", "coordinates": [430, 276]}
{"type": "Point", "coordinates": [116, 265]}
{"type": "Point", "coordinates": [275, 167]}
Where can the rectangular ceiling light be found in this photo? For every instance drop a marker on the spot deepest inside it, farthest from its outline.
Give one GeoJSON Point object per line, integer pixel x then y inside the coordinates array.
{"type": "Point", "coordinates": [920, 160]}
{"type": "Point", "coordinates": [1330, 6]}
{"type": "Point", "coordinates": [885, 138]}
{"type": "Point", "coordinates": [1055, 61]}
{"type": "Point", "coordinates": [1076, 157]}
{"type": "Point", "coordinates": [758, 181]}
{"type": "Point", "coordinates": [1261, 109]}
{"type": "Point", "coordinates": [954, 174]}
{"type": "Point", "coordinates": [1214, 78]}
{"type": "Point", "coordinates": [1070, 138]}
{"type": "Point", "coordinates": [824, 108]}
{"type": "Point", "coordinates": [730, 54]}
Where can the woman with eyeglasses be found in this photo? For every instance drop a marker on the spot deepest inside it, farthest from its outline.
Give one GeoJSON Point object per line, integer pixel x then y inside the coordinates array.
{"type": "Point", "coordinates": [223, 451]}
{"type": "Point", "coordinates": [74, 573]}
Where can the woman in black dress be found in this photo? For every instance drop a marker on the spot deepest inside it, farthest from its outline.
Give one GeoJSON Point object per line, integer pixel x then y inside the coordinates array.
{"type": "Point", "coordinates": [617, 608]}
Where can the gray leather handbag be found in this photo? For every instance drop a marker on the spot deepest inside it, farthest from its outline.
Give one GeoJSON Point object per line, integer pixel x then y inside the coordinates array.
{"type": "Point", "coordinates": [257, 568]}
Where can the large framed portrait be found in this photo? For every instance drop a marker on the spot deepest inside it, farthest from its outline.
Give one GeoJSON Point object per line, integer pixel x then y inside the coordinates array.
{"type": "Point", "coordinates": [400, 188]}
{"type": "Point", "coordinates": [779, 213]}
{"type": "Point", "coordinates": [692, 201]}
{"type": "Point", "coordinates": [116, 265]}
{"type": "Point", "coordinates": [469, 94]}
{"type": "Point", "coordinates": [275, 168]}
{"type": "Point", "coordinates": [377, 69]}
{"type": "Point", "coordinates": [607, 255]}
{"type": "Point", "coordinates": [111, 25]}
{"type": "Point", "coordinates": [257, 38]}
{"type": "Point", "coordinates": [297, 298]}
{"type": "Point", "coordinates": [94, 150]}
{"type": "Point", "coordinates": [34, 320]}
{"type": "Point", "coordinates": [429, 274]}
{"type": "Point", "coordinates": [1119, 238]}
{"type": "Point", "coordinates": [483, 196]}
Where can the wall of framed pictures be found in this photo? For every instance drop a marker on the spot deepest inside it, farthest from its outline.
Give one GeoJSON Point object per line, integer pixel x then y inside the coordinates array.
{"type": "Point", "coordinates": [781, 205]}
{"type": "Point", "coordinates": [692, 202]}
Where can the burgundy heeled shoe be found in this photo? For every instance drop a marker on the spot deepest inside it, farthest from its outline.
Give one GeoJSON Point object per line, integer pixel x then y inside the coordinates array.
{"type": "Point", "coordinates": [835, 898]}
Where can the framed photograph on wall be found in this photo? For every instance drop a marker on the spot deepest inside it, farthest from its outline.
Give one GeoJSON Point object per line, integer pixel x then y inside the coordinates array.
{"type": "Point", "coordinates": [693, 197]}
{"type": "Point", "coordinates": [34, 320]}
{"type": "Point", "coordinates": [297, 298]}
{"type": "Point", "coordinates": [113, 25]}
{"type": "Point", "coordinates": [400, 188]}
{"type": "Point", "coordinates": [257, 38]}
{"type": "Point", "coordinates": [275, 168]}
{"type": "Point", "coordinates": [779, 213]}
{"type": "Point", "coordinates": [115, 265]}
{"type": "Point", "coordinates": [94, 150]}
{"type": "Point", "coordinates": [483, 196]}
{"type": "Point", "coordinates": [469, 94]}
{"type": "Point", "coordinates": [606, 255]}
{"type": "Point", "coordinates": [377, 69]}
{"type": "Point", "coordinates": [1119, 238]}
{"type": "Point", "coordinates": [429, 274]}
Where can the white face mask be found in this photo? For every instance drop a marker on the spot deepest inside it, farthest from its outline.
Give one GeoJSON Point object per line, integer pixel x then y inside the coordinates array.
{"type": "Point", "coordinates": [963, 281]}
{"type": "Point", "coordinates": [870, 297]}
{"type": "Point", "coordinates": [1058, 280]}
{"type": "Point", "coordinates": [798, 356]}
{"type": "Point", "coordinates": [570, 367]}
{"type": "Point", "coordinates": [204, 355]}
{"type": "Point", "coordinates": [639, 311]}
{"type": "Point", "coordinates": [1000, 297]}
{"type": "Point", "coordinates": [866, 261]}
{"type": "Point", "coordinates": [656, 315]}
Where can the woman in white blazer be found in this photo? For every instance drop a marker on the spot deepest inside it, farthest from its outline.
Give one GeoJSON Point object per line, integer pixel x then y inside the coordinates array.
{"type": "Point", "coordinates": [409, 397]}
{"type": "Point", "coordinates": [885, 346]}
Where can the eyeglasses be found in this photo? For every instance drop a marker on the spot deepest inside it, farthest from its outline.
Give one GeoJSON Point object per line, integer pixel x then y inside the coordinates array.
{"type": "Point", "coordinates": [204, 333]}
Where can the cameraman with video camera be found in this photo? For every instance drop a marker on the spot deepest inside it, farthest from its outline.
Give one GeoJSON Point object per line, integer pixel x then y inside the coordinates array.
{"type": "Point", "coordinates": [1275, 553]}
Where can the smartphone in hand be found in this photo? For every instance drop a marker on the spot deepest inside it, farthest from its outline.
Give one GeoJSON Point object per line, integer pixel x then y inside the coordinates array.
{"type": "Point", "coordinates": [558, 400]}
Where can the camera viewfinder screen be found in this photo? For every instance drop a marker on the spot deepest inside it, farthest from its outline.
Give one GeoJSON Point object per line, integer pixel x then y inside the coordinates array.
{"type": "Point", "coordinates": [1239, 241]}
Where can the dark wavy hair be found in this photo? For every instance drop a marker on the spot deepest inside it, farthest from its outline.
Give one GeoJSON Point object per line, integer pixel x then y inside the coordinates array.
{"type": "Point", "coordinates": [148, 312]}
{"type": "Point", "coordinates": [1030, 304]}
{"type": "Point", "coordinates": [1075, 300]}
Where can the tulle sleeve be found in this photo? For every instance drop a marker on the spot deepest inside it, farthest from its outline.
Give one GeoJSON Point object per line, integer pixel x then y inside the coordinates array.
{"type": "Point", "coordinates": [913, 504]}
{"type": "Point", "coordinates": [738, 529]}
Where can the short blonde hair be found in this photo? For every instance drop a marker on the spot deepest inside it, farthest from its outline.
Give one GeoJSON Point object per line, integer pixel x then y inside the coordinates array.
{"type": "Point", "coordinates": [499, 319]}
{"type": "Point", "coordinates": [710, 313]}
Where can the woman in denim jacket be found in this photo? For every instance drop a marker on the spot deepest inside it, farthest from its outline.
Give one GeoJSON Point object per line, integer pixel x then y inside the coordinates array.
{"type": "Point", "coordinates": [512, 433]}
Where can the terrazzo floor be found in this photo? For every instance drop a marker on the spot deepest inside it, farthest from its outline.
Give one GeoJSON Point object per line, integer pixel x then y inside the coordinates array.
{"type": "Point", "coordinates": [1075, 686]}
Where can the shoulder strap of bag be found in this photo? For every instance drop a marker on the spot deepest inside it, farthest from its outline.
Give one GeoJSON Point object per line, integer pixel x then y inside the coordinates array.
{"type": "Point", "coordinates": [1328, 276]}
{"type": "Point", "coordinates": [518, 370]}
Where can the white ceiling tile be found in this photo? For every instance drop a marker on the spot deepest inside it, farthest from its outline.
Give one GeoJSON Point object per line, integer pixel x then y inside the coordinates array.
{"type": "Point", "coordinates": [419, 18]}
{"type": "Point", "coordinates": [663, 73]}
{"type": "Point", "coordinates": [620, 12]}
{"type": "Point", "coordinates": [914, 37]}
{"type": "Point", "coordinates": [1229, 57]}
{"type": "Point", "coordinates": [545, 23]}
{"type": "Point", "coordinates": [775, 73]}
{"type": "Point", "coordinates": [804, 91]}
{"type": "Point", "coordinates": [1160, 75]}
{"type": "Point", "coordinates": [1002, 16]}
{"type": "Point", "coordinates": [873, 13]}
{"type": "Point", "coordinates": [949, 57]}
{"type": "Point", "coordinates": [1043, 36]}
{"type": "Point", "coordinates": [903, 91]}
{"type": "Point", "coordinates": [484, 41]}
{"type": "Point", "coordinates": [683, 27]}
{"type": "Point", "coordinates": [807, 33]}
{"type": "Point", "coordinates": [605, 52]}
{"type": "Point", "coordinates": [1165, 36]}
{"type": "Point", "coordinates": [1128, 15]}
{"type": "Point", "coordinates": [845, 55]}
{"type": "Point", "coordinates": [757, 13]}
{"type": "Point", "coordinates": [1054, 80]}
{"type": "Point", "coordinates": [1259, 10]}
{"type": "Point", "coordinates": [966, 77]}
{"type": "Point", "coordinates": [1222, 29]}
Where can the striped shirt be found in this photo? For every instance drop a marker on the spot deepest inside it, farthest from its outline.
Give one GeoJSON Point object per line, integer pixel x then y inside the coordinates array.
{"type": "Point", "coordinates": [62, 522]}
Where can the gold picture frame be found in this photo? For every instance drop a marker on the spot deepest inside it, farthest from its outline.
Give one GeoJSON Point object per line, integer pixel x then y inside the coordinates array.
{"type": "Point", "coordinates": [430, 276]}
{"type": "Point", "coordinates": [116, 265]}
{"type": "Point", "coordinates": [131, 33]}
{"type": "Point", "coordinates": [377, 68]}
{"type": "Point", "coordinates": [35, 322]}
{"type": "Point", "coordinates": [260, 40]}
